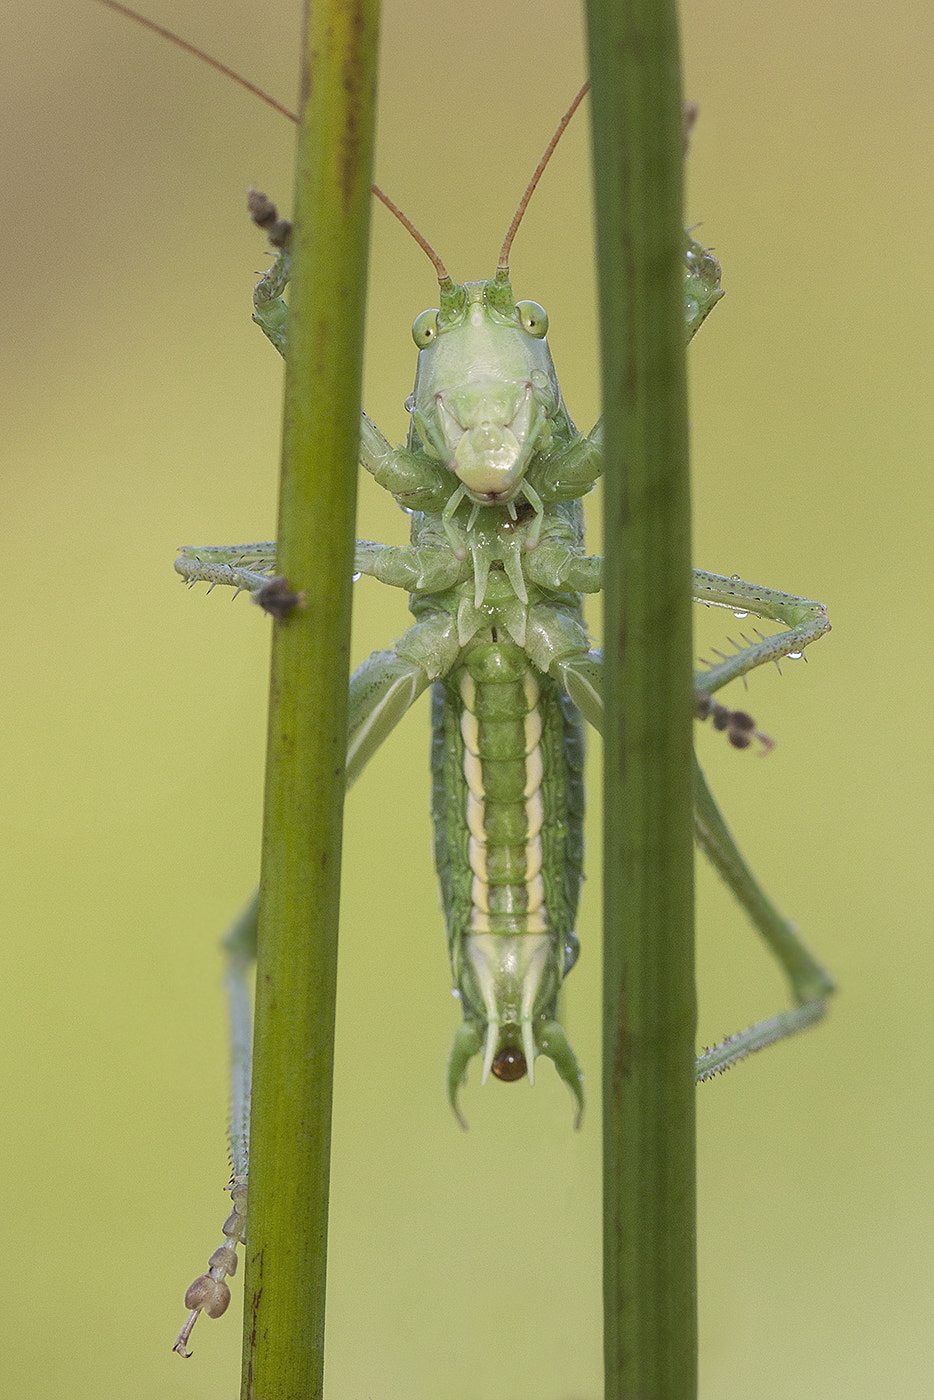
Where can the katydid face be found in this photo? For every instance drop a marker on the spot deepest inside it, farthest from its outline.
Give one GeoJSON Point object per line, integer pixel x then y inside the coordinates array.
{"type": "Point", "coordinates": [486, 390]}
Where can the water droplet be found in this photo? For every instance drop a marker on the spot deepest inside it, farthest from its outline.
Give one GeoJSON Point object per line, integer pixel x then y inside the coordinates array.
{"type": "Point", "coordinates": [539, 378]}
{"type": "Point", "coordinates": [455, 994]}
{"type": "Point", "coordinates": [736, 578]}
{"type": "Point", "coordinates": [354, 577]}
{"type": "Point", "coordinates": [795, 655]}
{"type": "Point", "coordinates": [740, 614]}
{"type": "Point", "coordinates": [409, 403]}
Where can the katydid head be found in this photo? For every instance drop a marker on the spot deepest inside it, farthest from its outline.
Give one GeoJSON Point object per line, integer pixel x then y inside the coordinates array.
{"type": "Point", "coordinates": [486, 391]}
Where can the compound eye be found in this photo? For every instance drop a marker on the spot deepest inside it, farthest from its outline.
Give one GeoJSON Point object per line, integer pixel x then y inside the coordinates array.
{"type": "Point", "coordinates": [425, 328]}
{"type": "Point", "coordinates": [533, 318]}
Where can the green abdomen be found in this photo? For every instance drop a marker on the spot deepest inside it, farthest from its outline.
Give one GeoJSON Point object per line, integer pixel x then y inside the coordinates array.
{"type": "Point", "coordinates": [507, 755]}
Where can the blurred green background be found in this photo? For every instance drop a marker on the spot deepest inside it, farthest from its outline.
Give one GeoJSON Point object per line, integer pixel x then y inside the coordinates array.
{"type": "Point", "coordinates": [140, 411]}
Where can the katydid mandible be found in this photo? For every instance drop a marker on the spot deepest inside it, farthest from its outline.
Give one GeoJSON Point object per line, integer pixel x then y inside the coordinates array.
{"type": "Point", "coordinates": [493, 474]}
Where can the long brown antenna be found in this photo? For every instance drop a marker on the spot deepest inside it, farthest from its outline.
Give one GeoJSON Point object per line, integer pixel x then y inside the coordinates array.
{"type": "Point", "coordinates": [502, 267]}
{"type": "Point", "coordinates": [198, 53]}
{"type": "Point", "coordinates": [219, 67]}
{"type": "Point", "coordinates": [443, 275]}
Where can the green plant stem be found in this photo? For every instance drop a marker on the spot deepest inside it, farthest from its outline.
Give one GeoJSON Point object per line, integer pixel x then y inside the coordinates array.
{"type": "Point", "coordinates": [296, 970]}
{"type": "Point", "coordinates": [649, 1000]}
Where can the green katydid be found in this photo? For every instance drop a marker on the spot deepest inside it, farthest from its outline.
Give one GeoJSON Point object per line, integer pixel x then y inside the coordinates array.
{"type": "Point", "coordinates": [493, 474]}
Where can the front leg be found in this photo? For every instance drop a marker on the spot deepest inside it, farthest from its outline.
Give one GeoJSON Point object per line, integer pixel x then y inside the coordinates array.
{"type": "Point", "coordinates": [570, 471]}
{"type": "Point", "coordinates": [415, 482]}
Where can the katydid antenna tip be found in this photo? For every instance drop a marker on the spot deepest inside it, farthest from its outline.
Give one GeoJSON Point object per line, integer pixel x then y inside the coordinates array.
{"type": "Point", "coordinates": [223, 68]}
{"type": "Point", "coordinates": [193, 49]}
{"type": "Point", "coordinates": [502, 267]}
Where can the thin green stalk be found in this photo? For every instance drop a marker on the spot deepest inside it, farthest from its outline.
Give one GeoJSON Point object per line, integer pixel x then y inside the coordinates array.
{"type": "Point", "coordinates": [296, 971]}
{"type": "Point", "coordinates": [649, 1001]}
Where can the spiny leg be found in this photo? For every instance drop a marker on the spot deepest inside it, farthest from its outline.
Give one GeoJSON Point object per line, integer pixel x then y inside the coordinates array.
{"type": "Point", "coordinates": [251, 568]}
{"type": "Point", "coordinates": [805, 621]}
{"type": "Point", "coordinates": [579, 670]}
{"type": "Point", "coordinates": [810, 984]}
{"type": "Point", "coordinates": [581, 674]}
{"type": "Point", "coordinates": [244, 567]}
{"type": "Point", "coordinates": [210, 1292]}
{"type": "Point", "coordinates": [381, 690]}
{"type": "Point", "coordinates": [415, 483]}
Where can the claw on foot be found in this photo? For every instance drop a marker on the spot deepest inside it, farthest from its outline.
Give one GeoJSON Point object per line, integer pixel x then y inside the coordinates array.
{"type": "Point", "coordinates": [209, 1293]}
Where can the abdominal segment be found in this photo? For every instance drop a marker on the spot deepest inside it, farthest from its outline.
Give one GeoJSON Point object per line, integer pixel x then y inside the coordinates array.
{"type": "Point", "coordinates": [508, 806]}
